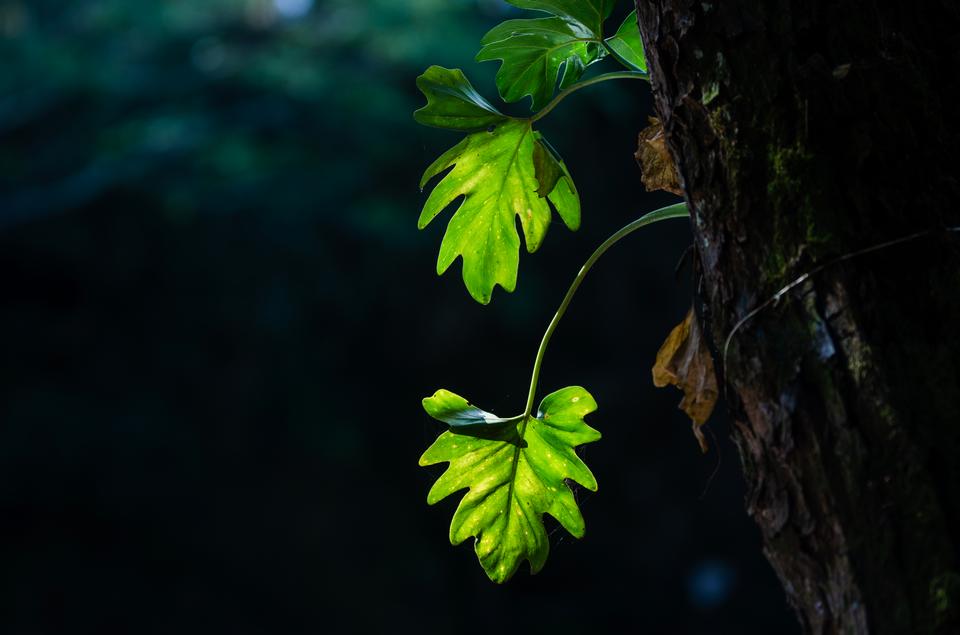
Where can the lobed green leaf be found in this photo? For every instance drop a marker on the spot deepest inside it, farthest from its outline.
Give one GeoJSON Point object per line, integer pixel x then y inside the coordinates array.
{"type": "Point", "coordinates": [556, 183]}
{"type": "Point", "coordinates": [499, 178]}
{"type": "Point", "coordinates": [533, 52]}
{"type": "Point", "coordinates": [589, 14]}
{"type": "Point", "coordinates": [453, 103]}
{"type": "Point", "coordinates": [515, 473]}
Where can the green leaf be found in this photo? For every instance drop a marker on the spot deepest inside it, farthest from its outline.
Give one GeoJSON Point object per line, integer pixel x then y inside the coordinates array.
{"type": "Point", "coordinates": [556, 183]}
{"type": "Point", "coordinates": [589, 14]}
{"type": "Point", "coordinates": [454, 411]}
{"type": "Point", "coordinates": [453, 103]}
{"type": "Point", "coordinates": [533, 51]}
{"type": "Point", "coordinates": [499, 171]}
{"type": "Point", "coordinates": [515, 473]}
{"type": "Point", "coordinates": [495, 172]}
{"type": "Point", "coordinates": [574, 67]}
{"type": "Point", "coordinates": [626, 43]}
{"type": "Point", "coordinates": [547, 168]}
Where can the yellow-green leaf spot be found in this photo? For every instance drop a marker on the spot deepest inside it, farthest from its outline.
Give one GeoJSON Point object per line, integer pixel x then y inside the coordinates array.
{"type": "Point", "coordinates": [514, 471]}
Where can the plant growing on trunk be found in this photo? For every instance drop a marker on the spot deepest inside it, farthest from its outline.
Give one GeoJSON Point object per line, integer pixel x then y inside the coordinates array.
{"type": "Point", "coordinates": [516, 467]}
{"type": "Point", "coordinates": [815, 142]}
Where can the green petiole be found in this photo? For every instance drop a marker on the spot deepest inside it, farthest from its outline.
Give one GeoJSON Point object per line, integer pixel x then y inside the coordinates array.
{"type": "Point", "coordinates": [563, 94]}
{"type": "Point", "coordinates": [678, 210]}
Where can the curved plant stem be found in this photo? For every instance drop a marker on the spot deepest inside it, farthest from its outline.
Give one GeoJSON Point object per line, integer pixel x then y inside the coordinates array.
{"type": "Point", "coordinates": [587, 82]}
{"type": "Point", "coordinates": [672, 211]}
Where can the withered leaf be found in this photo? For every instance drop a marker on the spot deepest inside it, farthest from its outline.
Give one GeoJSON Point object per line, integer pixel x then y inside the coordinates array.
{"type": "Point", "coordinates": [684, 361]}
{"type": "Point", "coordinates": [657, 169]}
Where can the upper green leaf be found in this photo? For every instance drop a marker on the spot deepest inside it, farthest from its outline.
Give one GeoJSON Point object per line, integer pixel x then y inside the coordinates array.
{"type": "Point", "coordinates": [590, 14]}
{"type": "Point", "coordinates": [626, 43]}
{"type": "Point", "coordinates": [496, 173]}
{"type": "Point", "coordinates": [515, 473]}
{"type": "Point", "coordinates": [533, 52]}
{"type": "Point", "coordinates": [453, 103]}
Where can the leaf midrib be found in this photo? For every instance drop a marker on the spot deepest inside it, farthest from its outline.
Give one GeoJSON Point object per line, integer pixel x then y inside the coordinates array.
{"type": "Point", "coordinates": [546, 53]}
{"type": "Point", "coordinates": [521, 432]}
{"type": "Point", "coordinates": [503, 182]}
{"type": "Point", "coordinates": [566, 43]}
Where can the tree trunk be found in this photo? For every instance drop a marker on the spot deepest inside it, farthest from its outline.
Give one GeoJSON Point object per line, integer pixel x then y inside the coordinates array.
{"type": "Point", "coordinates": [806, 132]}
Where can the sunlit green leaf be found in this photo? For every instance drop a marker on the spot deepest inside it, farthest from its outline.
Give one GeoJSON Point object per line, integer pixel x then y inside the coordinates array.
{"type": "Point", "coordinates": [515, 473]}
{"type": "Point", "coordinates": [533, 51]}
{"type": "Point", "coordinates": [453, 103]}
{"type": "Point", "coordinates": [457, 413]}
{"type": "Point", "coordinates": [495, 173]}
{"type": "Point", "coordinates": [627, 44]}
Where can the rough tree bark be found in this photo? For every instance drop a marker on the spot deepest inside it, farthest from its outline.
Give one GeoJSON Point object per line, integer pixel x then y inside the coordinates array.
{"type": "Point", "coordinates": [804, 131]}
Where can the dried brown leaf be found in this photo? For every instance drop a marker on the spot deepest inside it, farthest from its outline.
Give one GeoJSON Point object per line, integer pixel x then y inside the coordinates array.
{"type": "Point", "coordinates": [684, 361]}
{"type": "Point", "coordinates": [657, 169]}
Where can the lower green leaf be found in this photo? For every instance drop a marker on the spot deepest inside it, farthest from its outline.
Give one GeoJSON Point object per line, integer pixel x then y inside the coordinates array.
{"type": "Point", "coordinates": [515, 470]}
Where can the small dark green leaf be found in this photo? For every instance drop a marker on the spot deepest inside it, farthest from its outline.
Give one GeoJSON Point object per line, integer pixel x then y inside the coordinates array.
{"type": "Point", "coordinates": [590, 14]}
{"type": "Point", "coordinates": [626, 43]}
{"type": "Point", "coordinates": [453, 103]}
{"type": "Point", "coordinates": [515, 475]}
{"type": "Point", "coordinates": [547, 169]}
{"type": "Point", "coordinates": [574, 68]}
{"type": "Point", "coordinates": [556, 183]}
{"type": "Point", "coordinates": [457, 413]}
{"type": "Point", "coordinates": [533, 51]}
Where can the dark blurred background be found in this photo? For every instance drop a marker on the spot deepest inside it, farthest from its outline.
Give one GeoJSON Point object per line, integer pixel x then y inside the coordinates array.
{"type": "Point", "coordinates": [218, 320]}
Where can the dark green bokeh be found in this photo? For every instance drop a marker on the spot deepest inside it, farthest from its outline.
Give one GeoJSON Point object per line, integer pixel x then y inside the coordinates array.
{"type": "Point", "coordinates": [215, 305]}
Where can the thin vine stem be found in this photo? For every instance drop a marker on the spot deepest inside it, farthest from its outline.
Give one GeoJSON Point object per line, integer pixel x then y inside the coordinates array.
{"type": "Point", "coordinates": [806, 276]}
{"type": "Point", "coordinates": [672, 211]}
{"type": "Point", "coordinates": [587, 82]}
